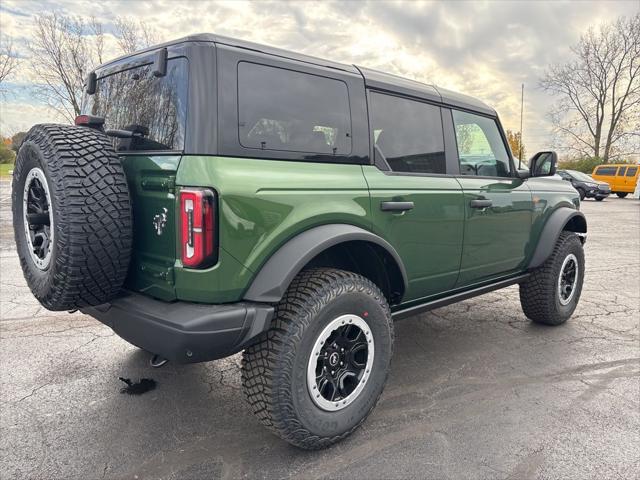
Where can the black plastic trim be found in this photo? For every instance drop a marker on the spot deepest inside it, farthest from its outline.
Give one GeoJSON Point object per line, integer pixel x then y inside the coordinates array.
{"type": "Point", "coordinates": [457, 297]}
{"type": "Point", "coordinates": [184, 332]}
{"type": "Point", "coordinates": [550, 233]}
{"type": "Point", "coordinates": [277, 273]}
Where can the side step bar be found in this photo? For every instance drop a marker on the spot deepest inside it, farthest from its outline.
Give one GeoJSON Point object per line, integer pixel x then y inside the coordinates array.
{"type": "Point", "coordinates": [456, 297]}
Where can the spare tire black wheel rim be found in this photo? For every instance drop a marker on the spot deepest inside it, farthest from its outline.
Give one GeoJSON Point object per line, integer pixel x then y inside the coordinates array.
{"type": "Point", "coordinates": [38, 218]}
{"type": "Point", "coordinates": [340, 362]}
{"type": "Point", "coordinates": [568, 279]}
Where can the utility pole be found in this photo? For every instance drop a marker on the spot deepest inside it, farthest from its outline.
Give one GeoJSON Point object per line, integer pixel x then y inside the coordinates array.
{"type": "Point", "coordinates": [521, 112]}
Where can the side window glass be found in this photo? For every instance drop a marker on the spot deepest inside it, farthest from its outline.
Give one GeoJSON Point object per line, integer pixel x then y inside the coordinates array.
{"type": "Point", "coordinates": [631, 171]}
{"type": "Point", "coordinates": [480, 147]}
{"type": "Point", "coordinates": [292, 111]}
{"type": "Point", "coordinates": [621, 171]}
{"type": "Point", "coordinates": [607, 171]}
{"type": "Point", "coordinates": [407, 134]}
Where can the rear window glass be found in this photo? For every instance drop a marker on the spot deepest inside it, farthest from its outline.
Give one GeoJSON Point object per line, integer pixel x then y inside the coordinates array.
{"type": "Point", "coordinates": [631, 171]}
{"type": "Point", "coordinates": [606, 171]}
{"type": "Point", "coordinates": [407, 134]}
{"type": "Point", "coordinates": [291, 111]}
{"type": "Point", "coordinates": [154, 108]}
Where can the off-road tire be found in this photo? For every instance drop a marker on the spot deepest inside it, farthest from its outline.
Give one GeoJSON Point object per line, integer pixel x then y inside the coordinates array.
{"type": "Point", "coordinates": [274, 369]}
{"type": "Point", "coordinates": [622, 194]}
{"type": "Point", "coordinates": [91, 215]}
{"type": "Point", "coordinates": [582, 193]}
{"type": "Point", "coordinates": [539, 293]}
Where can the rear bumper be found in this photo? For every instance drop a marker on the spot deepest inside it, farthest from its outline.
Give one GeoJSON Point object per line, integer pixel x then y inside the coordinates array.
{"type": "Point", "coordinates": [184, 332]}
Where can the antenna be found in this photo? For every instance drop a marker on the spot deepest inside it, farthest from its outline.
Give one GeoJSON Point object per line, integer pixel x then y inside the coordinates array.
{"type": "Point", "coordinates": [521, 112]}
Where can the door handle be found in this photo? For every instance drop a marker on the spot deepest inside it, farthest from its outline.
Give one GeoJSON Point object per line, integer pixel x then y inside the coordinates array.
{"type": "Point", "coordinates": [396, 206]}
{"type": "Point", "coordinates": [481, 203]}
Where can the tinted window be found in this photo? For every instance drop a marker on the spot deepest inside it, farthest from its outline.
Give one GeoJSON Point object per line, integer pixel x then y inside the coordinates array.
{"type": "Point", "coordinates": [153, 107]}
{"type": "Point", "coordinates": [631, 171]}
{"type": "Point", "coordinates": [407, 134]}
{"type": "Point", "coordinates": [285, 110]}
{"type": "Point", "coordinates": [480, 147]}
{"type": "Point", "coordinates": [606, 171]}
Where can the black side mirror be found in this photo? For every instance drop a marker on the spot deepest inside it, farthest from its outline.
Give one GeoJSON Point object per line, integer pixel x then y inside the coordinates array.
{"type": "Point", "coordinates": [543, 164]}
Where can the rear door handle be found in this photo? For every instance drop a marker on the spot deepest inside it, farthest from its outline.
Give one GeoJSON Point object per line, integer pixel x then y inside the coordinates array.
{"type": "Point", "coordinates": [396, 206]}
{"type": "Point", "coordinates": [481, 203]}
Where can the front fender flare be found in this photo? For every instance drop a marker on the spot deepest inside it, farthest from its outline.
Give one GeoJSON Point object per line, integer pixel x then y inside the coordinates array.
{"type": "Point", "coordinates": [276, 274]}
{"type": "Point", "coordinates": [551, 231]}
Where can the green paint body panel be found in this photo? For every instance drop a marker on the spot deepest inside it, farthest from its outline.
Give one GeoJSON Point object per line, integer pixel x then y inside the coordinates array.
{"type": "Point", "coordinates": [152, 188]}
{"type": "Point", "coordinates": [495, 238]}
{"type": "Point", "coordinates": [444, 244]}
{"type": "Point", "coordinates": [428, 237]}
{"type": "Point", "coordinates": [261, 205]}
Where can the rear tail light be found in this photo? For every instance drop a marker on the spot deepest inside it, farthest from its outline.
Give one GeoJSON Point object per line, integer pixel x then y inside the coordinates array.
{"type": "Point", "coordinates": [198, 228]}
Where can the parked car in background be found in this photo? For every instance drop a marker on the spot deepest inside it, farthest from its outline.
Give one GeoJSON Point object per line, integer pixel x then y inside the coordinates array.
{"type": "Point", "coordinates": [586, 186]}
{"type": "Point", "coordinates": [621, 178]}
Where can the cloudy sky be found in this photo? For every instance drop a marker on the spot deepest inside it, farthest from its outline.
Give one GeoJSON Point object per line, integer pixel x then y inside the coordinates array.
{"type": "Point", "coordinates": [485, 49]}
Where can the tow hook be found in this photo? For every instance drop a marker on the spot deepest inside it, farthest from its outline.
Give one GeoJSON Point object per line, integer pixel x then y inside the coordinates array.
{"type": "Point", "coordinates": [157, 361]}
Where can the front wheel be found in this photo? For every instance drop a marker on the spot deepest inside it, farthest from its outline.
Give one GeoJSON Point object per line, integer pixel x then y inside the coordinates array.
{"type": "Point", "coordinates": [317, 373]}
{"type": "Point", "coordinates": [551, 293]}
{"type": "Point", "coordinates": [622, 194]}
{"type": "Point", "coordinates": [582, 193]}
{"type": "Point", "coordinates": [599, 199]}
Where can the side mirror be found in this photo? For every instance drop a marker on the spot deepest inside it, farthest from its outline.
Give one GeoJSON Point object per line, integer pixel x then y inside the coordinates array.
{"type": "Point", "coordinates": [543, 164]}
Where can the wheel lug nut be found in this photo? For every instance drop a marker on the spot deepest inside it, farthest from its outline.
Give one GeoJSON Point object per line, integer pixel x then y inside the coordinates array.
{"type": "Point", "coordinates": [332, 372]}
{"type": "Point", "coordinates": [341, 363]}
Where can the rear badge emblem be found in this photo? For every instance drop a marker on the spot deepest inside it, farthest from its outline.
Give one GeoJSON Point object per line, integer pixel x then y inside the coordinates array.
{"type": "Point", "coordinates": [160, 221]}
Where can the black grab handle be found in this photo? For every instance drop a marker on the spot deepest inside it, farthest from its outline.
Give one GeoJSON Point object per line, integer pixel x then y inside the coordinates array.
{"type": "Point", "coordinates": [396, 206]}
{"type": "Point", "coordinates": [481, 203]}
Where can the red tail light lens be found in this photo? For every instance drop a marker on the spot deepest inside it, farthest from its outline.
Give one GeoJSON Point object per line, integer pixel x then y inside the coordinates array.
{"type": "Point", "coordinates": [198, 218]}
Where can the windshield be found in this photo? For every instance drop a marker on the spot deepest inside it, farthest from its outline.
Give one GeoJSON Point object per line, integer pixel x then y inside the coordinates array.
{"type": "Point", "coordinates": [583, 177]}
{"type": "Point", "coordinates": [154, 108]}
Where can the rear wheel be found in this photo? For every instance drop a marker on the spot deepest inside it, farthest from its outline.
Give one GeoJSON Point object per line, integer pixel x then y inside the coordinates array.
{"type": "Point", "coordinates": [551, 293]}
{"type": "Point", "coordinates": [622, 194]}
{"type": "Point", "coordinates": [71, 216]}
{"type": "Point", "coordinates": [317, 373]}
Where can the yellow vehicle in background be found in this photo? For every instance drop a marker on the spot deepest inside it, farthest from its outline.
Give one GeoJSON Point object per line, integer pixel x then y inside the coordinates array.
{"type": "Point", "coordinates": [621, 178]}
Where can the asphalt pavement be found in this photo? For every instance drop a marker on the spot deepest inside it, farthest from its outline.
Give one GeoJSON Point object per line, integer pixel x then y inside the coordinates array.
{"type": "Point", "coordinates": [475, 390]}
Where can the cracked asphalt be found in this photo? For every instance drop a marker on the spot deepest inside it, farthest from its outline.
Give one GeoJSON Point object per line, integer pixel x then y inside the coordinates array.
{"type": "Point", "coordinates": [475, 391]}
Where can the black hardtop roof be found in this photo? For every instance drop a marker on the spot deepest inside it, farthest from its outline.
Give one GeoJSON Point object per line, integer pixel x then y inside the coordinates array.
{"type": "Point", "coordinates": [373, 78]}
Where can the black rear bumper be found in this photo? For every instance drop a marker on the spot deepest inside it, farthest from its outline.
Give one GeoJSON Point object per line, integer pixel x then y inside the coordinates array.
{"type": "Point", "coordinates": [184, 332]}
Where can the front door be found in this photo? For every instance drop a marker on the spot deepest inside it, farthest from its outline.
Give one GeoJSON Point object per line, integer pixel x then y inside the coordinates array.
{"type": "Point", "coordinates": [415, 206]}
{"type": "Point", "coordinates": [498, 205]}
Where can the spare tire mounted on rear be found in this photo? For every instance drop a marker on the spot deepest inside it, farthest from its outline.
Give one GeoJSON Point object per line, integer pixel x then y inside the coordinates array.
{"type": "Point", "coordinates": [71, 216]}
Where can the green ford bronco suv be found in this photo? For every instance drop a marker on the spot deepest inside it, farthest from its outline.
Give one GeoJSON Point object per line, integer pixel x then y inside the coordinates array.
{"type": "Point", "coordinates": [220, 196]}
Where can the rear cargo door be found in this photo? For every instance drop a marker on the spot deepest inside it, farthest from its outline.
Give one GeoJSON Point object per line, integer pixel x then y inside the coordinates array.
{"type": "Point", "coordinates": [145, 107]}
{"type": "Point", "coordinates": [152, 188]}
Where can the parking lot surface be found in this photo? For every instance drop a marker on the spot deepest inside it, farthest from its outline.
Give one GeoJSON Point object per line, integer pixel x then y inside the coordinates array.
{"type": "Point", "coordinates": [475, 390]}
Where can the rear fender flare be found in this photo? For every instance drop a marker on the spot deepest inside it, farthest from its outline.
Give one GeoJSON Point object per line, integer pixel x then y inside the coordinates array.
{"type": "Point", "coordinates": [564, 218]}
{"type": "Point", "coordinates": [273, 279]}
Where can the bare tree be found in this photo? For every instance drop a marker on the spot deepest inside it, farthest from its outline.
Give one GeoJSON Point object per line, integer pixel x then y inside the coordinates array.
{"type": "Point", "coordinates": [8, 60]}
{"type": "Point", "coordinates": [598, 109]}
{"type": "Point", "coordinates": [61, 57]}
{"type": "Point", "coordinates": [65, 49]}
{"type": "Point", "coordinates": [132, 35]}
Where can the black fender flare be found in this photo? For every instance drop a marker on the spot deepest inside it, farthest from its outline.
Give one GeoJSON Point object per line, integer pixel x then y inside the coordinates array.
{"type": "Point", "coordinates": [273, 279]}
{"type": "Point", "coordinates": [551, 231]}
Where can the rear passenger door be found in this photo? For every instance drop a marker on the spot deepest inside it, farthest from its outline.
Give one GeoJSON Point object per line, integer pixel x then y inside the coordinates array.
{"type": "Point", "coordinates": [498, 205]}
{"type": "Point", "coordinates": [415, 204]}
